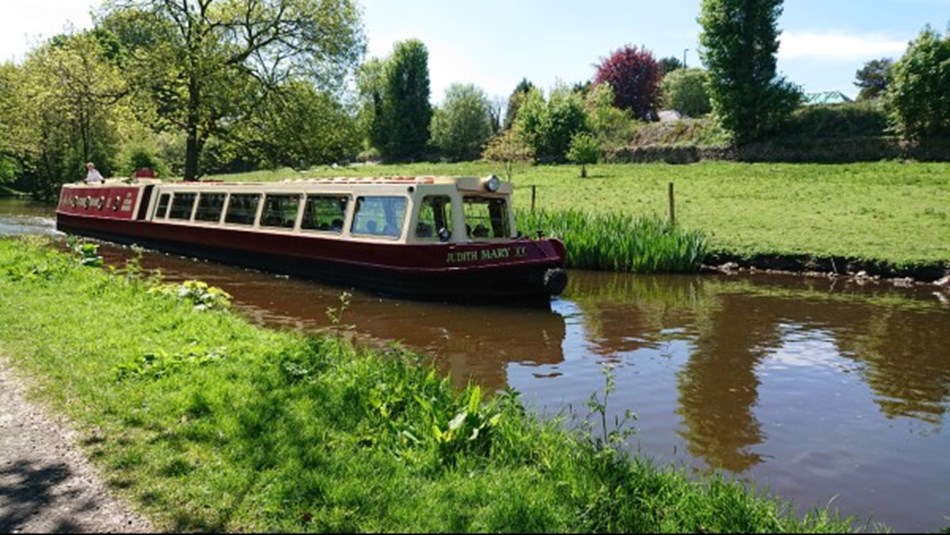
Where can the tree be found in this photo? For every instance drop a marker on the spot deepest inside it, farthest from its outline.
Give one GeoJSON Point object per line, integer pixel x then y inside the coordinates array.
{"type": "Point", "coordinates": [635, 76]}
{"type": "Point", "coordinates": [405, 112]}
{"type": "Point", "coordinates": [549, 125]}
{"type": "Point", "coordinates": [463, 124]}
{"type": "Point", "coordinates": [610, 126]}
{"type": "Point", "coordinates": [15, 141]}
{"type": "Point", "coordinates": [684, 90]}
{"type": "Point", "coordinates": [739, 40]}
{"type": "Point", "coordinates": [509, 148]}
{"type": "Point", "coordinates": [68, 93]}
{"type": "Point", "coordinates": [515, 100]}
{"type": "Point", "coordinates": [670, 64]}
{"type": "Point", "coordinates": [371, 86]}
{"type": "Point", "coordinates": [214, 60]}
{"type": "Point", "coordinates": [299, 127]}
{"type": "Point", "coordinates": [584, 150]}
{"type": "Point", "coordinates": [919, 95]}
{"type": "Point", "coordinates": [873, 78]}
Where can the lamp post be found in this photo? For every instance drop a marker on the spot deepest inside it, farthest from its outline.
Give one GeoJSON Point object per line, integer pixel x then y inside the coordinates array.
{"type": "Point", "coordinates": [684, 57]}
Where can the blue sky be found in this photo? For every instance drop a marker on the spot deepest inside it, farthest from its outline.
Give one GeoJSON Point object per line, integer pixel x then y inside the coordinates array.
{"type": "Point", "coordinates": [495, 43]}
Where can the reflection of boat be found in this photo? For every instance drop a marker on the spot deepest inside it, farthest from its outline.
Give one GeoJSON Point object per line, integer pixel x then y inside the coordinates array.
{"type": "Point", "coordinates": [427, 237]}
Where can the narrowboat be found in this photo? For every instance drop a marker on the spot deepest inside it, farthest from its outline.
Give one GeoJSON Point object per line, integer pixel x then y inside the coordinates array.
{"type": "Point", "coordinates": [433, 238]}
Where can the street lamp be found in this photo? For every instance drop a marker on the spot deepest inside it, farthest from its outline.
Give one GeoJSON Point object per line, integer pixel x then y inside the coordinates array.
{"type": "Point", "coordinates": [684, 57]}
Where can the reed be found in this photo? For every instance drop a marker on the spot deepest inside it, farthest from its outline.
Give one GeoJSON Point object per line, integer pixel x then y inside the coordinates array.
{"type": "Point", "coordinates": [619, 242]}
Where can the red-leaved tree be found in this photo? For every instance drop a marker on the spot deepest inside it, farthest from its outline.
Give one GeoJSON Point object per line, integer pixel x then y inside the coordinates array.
{"type": "Point", "coordinates": [635, 76]}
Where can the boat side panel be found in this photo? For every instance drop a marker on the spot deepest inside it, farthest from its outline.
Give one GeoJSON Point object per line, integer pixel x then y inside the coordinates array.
{"type": "Point", "coordinates": [103, 202]}
{"type": "Point", "coordinates": [472, 272]}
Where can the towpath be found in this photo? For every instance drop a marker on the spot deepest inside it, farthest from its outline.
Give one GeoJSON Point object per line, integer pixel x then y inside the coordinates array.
{"type": "Point", "coordinates": [46, 483]}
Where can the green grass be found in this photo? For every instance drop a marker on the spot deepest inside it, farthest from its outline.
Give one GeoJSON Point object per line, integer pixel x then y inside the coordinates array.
{"type": "Point", "coordinates": [208, 423]}
{"type": "Point", "coordinates": [885, 211]}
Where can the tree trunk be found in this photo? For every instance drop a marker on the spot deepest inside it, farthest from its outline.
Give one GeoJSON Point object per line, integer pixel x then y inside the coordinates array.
{"type": "Point", "coordinates": [192, 144]}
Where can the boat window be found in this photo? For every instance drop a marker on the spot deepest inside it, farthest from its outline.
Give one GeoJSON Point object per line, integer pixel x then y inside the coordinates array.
{"type": "Point", "coordinates": [486, 217]}
{"type": "Point", "coordinates": [280, 210]}
{"type": "Point", "coordinates": [242, 208]}
{"type": "Point", "coordinates": [435, 218]}
{"type": "Point", "coordinates": [324, 212]}
{"type": "Point", "coordinates": [210, 206]}
{"type": "Point", "coordinates": [379, 216]}
{"type": "Point", "coordinates": [182, 204]}
{"type": "Point", "coordinates": [162, 209]}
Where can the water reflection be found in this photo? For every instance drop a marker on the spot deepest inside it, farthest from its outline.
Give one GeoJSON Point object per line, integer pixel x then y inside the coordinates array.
{"type": "Point", "coordinates": [810, 387]}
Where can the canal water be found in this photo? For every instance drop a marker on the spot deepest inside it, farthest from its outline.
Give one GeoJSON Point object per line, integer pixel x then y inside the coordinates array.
{"type": "Point", "coordinates": [821, 391]}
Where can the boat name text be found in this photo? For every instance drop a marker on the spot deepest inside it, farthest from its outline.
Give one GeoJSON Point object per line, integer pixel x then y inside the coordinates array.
{"type": "Point", "coordinates": [482, 255]}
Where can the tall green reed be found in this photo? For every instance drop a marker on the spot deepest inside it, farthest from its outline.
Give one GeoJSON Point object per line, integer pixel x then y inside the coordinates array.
{"type": "Point", "coordinates": [619, 242]}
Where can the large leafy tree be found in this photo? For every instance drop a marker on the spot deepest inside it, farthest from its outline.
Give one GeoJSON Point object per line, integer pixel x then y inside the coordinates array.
{"type": "Point", "coordinates": [514, 102]}
{"type": "Point", "coordinates": [14, 143]}
{"type": "Point", "coordinates": [873, 78]}
{"type": "Point", "coordinates": [635, 76]}
{"type": "Point", "coordinates": [299, 127]}
{"type": "Point", "coordinates": [208, 63]}
{"type": "Point", "coordinates": [462, 126]}
{"type": "Point", "coordinates": [402, 123]}
{"type": "Point", "coordinates": [739, 41]}
{"type": "Point", "coordinates": [371, 86]}
{"type": "Point", "coordinates": [919, 94]}
{"type": "Point", "coordinates": [549, 125]}
{"type": "Point", "coordinates": [69, 92]}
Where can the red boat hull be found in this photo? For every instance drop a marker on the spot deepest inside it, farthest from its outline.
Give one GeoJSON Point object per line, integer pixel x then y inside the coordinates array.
{"type": "Point", "coordinates": [515, 271]}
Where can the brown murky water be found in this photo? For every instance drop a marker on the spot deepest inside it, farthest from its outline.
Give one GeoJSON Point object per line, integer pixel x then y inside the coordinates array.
{"type": "Point", "coordinates": [819, 391]}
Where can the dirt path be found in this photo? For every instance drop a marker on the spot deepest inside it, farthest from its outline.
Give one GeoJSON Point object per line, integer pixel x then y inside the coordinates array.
{"type": "Point", "coordinates": [46, 483]}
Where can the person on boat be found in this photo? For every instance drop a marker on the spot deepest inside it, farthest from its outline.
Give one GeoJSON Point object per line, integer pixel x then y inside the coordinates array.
{"type": "Point", "coordinates": [92, 174]}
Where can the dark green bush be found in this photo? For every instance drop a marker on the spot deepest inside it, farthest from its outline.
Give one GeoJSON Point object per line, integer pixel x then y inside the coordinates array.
{"type": "Point", "coordinates": [837, 120]}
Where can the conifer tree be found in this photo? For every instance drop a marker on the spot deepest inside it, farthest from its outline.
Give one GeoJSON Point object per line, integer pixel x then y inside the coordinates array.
{"type": "Point", "coordinates": [739, 42]}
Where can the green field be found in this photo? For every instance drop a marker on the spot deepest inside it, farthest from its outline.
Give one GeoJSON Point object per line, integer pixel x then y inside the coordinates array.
{"type": "Point", "coordinates": [208, 423]}
{"type": "Point", "coordinates": [885, 211]}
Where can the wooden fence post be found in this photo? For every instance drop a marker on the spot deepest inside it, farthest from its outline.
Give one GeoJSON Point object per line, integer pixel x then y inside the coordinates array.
{"type": "Point", "coordinates": [672, 206]}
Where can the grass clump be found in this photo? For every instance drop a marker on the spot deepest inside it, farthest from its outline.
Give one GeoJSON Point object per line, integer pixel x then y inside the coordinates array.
{"type": "Point", "coordinates": [211, 424]}
{"type": "Point", "coordinates": [620, 242]}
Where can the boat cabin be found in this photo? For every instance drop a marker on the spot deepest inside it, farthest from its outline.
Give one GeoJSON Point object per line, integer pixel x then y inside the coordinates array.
{"type": "Point", "coordinates": [400, 209]}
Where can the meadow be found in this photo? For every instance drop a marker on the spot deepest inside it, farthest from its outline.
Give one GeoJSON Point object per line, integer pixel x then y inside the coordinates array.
{"type": "Point", "coordinates": [891, 211]}
{"type": "Point", "coordinates": [208, 423]}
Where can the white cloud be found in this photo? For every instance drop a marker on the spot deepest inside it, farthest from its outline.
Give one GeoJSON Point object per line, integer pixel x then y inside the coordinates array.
{"type": "Point", "coordinates": [837, 46]}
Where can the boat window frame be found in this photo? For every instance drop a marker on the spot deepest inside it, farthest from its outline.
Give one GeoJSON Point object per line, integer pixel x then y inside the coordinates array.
{"type": "Point", "coordinates": [421, 230]}
{"type": "Point", "coordinates": [191, 212]}
{"type": "Point", "coordinates": [355, 221]}
{"type": "Point", "coordinates": [333, 229]}
{"type": "Point", "coordinates": [161, 212]}
{"type": "Point", "coordinates": [295, 222]}
{"type": "Point", "coordinates": [256, 211]}
{"type": "Point", "coordinates": [490, 232]}
{"type": "Point", "coordinates": [224, 202]}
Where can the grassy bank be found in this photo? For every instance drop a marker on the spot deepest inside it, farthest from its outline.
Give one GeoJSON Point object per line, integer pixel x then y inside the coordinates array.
{"type": "Point", "coordinates": [209, 423]}
{"type": "Point", "coordinates": [890, 212]}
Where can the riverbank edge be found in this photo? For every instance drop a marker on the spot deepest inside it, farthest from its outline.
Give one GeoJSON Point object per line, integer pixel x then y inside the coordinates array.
{"type": "Point", "coordinates": [828, 266]}
{"type": "Point", "coordinates": [53, 278]}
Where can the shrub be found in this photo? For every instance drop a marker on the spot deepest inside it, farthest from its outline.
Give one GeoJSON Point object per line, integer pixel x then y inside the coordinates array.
{"type": "Point", "coordinates": [684, 90]}
{"type": "Point", "coordinates": [836, 120]}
